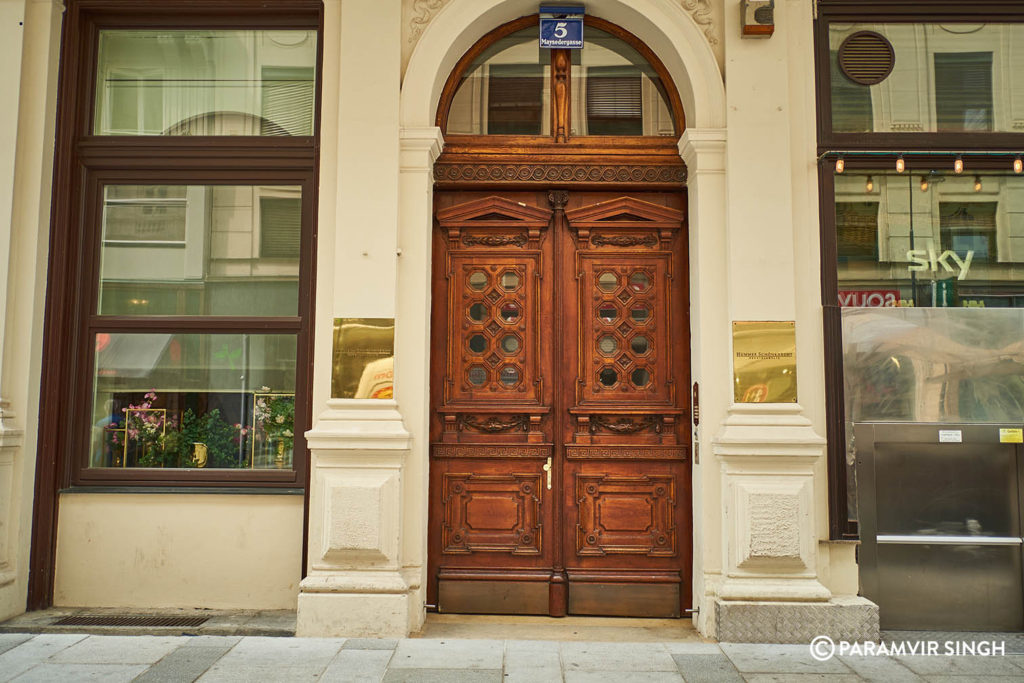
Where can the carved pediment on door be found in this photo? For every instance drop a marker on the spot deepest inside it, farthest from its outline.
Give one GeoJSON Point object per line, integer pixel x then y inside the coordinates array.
{"type": "Point", "coordinates": [624, 222]}
{"type": "Point", "coordinates": [493, 222]}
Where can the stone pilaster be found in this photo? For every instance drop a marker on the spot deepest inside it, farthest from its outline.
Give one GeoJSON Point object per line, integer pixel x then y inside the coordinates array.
{"type": "Point", "coordinates": [355, 583]}
{"type": "Point", "coordinates": [770, 590]}
{"type": "Point", "coordinates": [10, 442]}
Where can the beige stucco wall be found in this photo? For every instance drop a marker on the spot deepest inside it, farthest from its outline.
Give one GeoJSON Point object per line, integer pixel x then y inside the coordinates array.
{"type": "Point", "coordinates": [31, 29]}
{"type": "Point", "coordinates": [174, 550]}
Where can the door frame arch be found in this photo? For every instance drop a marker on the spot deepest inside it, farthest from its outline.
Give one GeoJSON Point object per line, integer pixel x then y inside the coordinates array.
{"type": "Point", "coordinates": [673, 35]}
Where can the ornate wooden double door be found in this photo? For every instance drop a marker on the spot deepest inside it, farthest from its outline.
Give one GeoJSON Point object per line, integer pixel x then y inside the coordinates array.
{"type": "Point", "coordinates": [560, 474]}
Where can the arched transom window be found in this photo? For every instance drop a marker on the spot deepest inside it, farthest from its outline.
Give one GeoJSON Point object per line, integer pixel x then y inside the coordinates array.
{"type": "Point", "coordinates": [507, 85]}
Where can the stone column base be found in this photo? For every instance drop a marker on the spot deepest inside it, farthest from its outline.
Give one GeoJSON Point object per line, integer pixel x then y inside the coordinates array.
{"type": "Point", "coordinates": [345, 612]}
{"type": "Point", "coordinates": [853, 619]}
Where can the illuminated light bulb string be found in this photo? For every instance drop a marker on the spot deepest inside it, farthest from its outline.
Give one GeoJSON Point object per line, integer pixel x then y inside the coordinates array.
{"type": "Point", "coordinates": [901, 164]}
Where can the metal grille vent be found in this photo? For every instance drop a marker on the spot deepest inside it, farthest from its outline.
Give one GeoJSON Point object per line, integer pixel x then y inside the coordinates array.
{"type": "Point", "coordinates": [866, 57]}
{"type": "Point", "coordinates": [129, 620]}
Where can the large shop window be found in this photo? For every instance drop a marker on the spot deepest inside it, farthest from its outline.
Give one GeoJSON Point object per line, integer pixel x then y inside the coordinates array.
{"type": "Point", "coordinates": [190, 301]}
{"type": "Point", "coordinates": [937, 77]}
{"type": "Point", "coordinates": [922, 268]}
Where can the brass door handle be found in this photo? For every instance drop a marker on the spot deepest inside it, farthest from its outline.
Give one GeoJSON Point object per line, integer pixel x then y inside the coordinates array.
{"type": "Point", "coordinates": [547, 468]}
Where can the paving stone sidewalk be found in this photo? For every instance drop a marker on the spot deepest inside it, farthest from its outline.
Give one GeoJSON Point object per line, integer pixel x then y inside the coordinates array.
{"type": "Point", "coordinates": [67, 657]}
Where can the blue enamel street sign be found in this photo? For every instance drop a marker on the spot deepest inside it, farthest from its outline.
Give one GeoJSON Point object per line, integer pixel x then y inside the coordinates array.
{"type": "Point", "coordinates": [561, 27]}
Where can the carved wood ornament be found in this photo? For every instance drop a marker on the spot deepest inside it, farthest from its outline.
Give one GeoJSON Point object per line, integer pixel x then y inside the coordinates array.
{"type": "Point", "coordinates": [559, 347]}
{"type": "Point", "coordinates": [560, 94]}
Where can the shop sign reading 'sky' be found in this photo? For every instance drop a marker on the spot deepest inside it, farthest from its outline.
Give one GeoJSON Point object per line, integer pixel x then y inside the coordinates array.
{"type": "Point", "coordinates": [929, 259]}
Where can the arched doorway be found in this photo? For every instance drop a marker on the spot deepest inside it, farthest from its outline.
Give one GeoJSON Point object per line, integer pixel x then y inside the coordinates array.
{"type": "Point", "coordinates": [559, 420]}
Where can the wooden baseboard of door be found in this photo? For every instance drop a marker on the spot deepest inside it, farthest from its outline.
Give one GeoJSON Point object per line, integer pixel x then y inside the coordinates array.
{"type": "Point", "coordinates": [492, 597]}
{"type": "Point", "coordinates": [656, 600]}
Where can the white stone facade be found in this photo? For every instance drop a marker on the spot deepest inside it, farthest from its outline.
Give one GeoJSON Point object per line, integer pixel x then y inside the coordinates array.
{"type": "Point", "coordinates": [759, 475]}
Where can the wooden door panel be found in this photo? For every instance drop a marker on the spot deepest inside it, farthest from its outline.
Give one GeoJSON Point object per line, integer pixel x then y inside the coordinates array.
{"type": "Point", "coordinates": [624, 330]}
{"type": "Point", "coordinates": [494, 353]}
{"type": "Point", "coordinates": [560, 488]}
{"type": "Point", "coordinates": [492, 512]}
{"type": "Point", "coordinates": [625, 515]}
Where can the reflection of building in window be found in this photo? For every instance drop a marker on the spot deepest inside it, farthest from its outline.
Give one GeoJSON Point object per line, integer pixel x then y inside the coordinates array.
{"type": "Point", "coordinates": [153, 214]}
{"type": "Point", "coordinates": [288, 97]}
{"type": "Point", "coordinates": [851, 103]}
{"type": "Point", "coordinates": [969, 227]}
{"type": "Point", "coordinates": [614, 105]}
{"type": "Point", "coordinates": [945, 78]}
{"type": "Point", "coordinates": [200, 250]}
{"type": "Point", "coordinates": [515, 99]}
{"type": "Point", "coordinates": [280, 220]}
{"type": "Point", "coordinates": [857, 231]}
{"type": "Point", "coordinates": [205, 82]}
{"type": "Point", "coordinates": [963, 91]}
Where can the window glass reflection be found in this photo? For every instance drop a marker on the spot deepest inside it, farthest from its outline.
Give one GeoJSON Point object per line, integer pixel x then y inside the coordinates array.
{"type": "Point", "coordinates": [505, 91]}
{"type": "Point", "coordinates": [195, 82]}
{"type": "Point", "coordinates": [945, 78]}
{"type": "Point", "coordinates": [200, 250]}
{"type": "Point", "coordinates": [930, 240]}
{"type": "Point", "coordinates": [193, 401]}
{"type": "Point", "coordinates": [615, 91]}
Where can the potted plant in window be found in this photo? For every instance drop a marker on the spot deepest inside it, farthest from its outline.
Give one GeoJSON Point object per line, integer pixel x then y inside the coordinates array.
{"type": "Point", "coordinates": [274, 415]}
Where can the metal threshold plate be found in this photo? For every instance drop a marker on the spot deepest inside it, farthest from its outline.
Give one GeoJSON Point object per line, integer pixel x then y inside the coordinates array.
{"type": "Point", "coordinates": [129, 620]}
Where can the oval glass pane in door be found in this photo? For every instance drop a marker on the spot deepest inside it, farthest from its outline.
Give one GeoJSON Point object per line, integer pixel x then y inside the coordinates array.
{"type": "Point", "coordinates": [509, 376]}
{"type": "Point", "coordinates": [509, 281]}
{"type": "Point", "coordinates": [608, 313]}
{"type": "Point", "coordinates": [510, 311]}
{"type": "Point", "coordinates": [640, 377]}
{"type": "Point", "coordinates": [477, 280]}
{"type": "Point", "coordinates": [639, 281]}
{"type": "Point", "coordinates": [607, 282]}
{"type": "Point", "coordinates": [608, 345]}
{"type": "Point", "coordinates": [478, 343]}
{"type": "Point", "coordinates": [640, 313]}
{"type": "Point", "coordinates": [477, 376]}
{"type": "Point", "coordinates": [477, 312]}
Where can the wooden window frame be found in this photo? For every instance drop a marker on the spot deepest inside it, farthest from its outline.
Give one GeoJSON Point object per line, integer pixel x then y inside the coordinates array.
{"type": "Point", "coordinates": [921, 152]}
{"type": "Point", "coordinates": [83, 163]}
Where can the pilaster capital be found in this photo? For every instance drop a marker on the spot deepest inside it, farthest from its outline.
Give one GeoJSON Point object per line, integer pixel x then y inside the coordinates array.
{"type": "Point", "coordinates": [767, 429]}
{"type": "Point", "coordinates": [703, 149]}
{"type": "Point", "coordinates": [359, 424]}
{"type": "Point", "coordinates": [420, 147]}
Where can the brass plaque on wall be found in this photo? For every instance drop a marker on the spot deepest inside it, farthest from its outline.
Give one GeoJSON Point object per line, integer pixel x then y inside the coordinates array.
{"type": "Point", "coordinates": [764, 361]}
{"type": "Point", "coordinates": [363, 363]}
